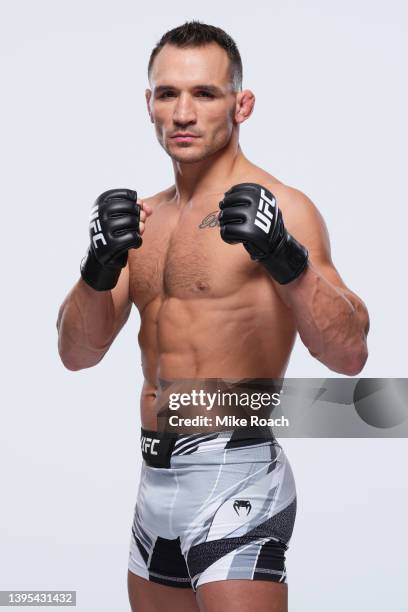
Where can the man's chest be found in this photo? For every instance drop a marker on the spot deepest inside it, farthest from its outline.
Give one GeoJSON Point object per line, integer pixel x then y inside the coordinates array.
{"type": "Point", "coordinates": [184, 256]}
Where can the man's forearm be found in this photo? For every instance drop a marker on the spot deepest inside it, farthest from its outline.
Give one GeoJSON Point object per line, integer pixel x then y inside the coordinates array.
{"type": "Point", "coordinates": [85, 326]}
{"type": "Point", "coordinates": [332, 322]}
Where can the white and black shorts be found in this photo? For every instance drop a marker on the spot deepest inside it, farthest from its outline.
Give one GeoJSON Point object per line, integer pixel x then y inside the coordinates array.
{"type": "Point", "coordinates": [215, 506]}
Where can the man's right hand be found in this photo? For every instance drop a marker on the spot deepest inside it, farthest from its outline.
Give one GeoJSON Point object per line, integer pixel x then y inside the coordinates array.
{"type": "Point", "coordinates": [115, 227]}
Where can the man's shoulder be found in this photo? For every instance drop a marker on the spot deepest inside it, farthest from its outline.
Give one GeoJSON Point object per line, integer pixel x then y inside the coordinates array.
{"type": "Point", "coordinates": [293, 202]}
{"type": "Point", "coordinates": [162, 196]}
{"type": "Point", "coordinates": [301, 216]}
{"type": "Point", "coordinates": [255, 174]}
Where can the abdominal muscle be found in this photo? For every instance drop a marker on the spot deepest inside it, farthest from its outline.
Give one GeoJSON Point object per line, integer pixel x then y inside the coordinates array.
{"type": "Point", "coordinates": [210, 338]}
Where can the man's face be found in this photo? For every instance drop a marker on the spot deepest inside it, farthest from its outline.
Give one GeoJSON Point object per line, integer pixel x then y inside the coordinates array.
{"type": "Point", "coordinates": [192, 95]}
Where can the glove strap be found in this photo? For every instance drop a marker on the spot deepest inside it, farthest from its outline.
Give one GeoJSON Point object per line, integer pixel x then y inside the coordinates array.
{"type": "Point", "coordinates": [98, 276]}
{"type": "Point", "coordinates": [286, 262]}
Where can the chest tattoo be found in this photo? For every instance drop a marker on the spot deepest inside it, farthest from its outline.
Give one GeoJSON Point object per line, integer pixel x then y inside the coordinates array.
{"type": "Point", "coordinates": [211, 220]}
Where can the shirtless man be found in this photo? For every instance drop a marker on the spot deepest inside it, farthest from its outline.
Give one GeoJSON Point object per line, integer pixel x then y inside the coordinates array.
{"type": "Point", "coordinates": [219, 297]}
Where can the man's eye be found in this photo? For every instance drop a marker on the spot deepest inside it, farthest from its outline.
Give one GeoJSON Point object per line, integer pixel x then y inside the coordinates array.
{"type": "Point", "coordinates": [167, 94]}
{"type": "Point", "coordinates": [205, 94]}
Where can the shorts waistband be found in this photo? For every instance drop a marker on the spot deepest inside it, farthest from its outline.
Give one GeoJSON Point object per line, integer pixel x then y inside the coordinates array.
{"type": "Point", "coordinates": [159, 447]}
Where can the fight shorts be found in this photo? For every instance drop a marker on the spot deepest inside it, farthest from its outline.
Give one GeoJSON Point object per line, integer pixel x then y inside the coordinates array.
{"type": "Point", "coordinates": [215, 506]}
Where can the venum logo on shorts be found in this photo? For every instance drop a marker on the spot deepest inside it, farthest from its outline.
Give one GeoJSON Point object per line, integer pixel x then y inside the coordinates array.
{"type": "Point", "coordinates": [95, 226]}
{"type": "Point", "coordinates": [264, 215]}
{"type": "Point", "coordinates": [242, 505]}
{"type": "Point", "coordinates": [148, 445]}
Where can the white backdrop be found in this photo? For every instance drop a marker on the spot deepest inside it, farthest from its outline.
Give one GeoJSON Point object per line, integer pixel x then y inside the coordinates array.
{"type": "Point", "coordinates": [330, 119]}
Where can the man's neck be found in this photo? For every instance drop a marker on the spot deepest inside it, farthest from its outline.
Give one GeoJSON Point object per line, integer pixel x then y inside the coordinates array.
{"type": "Point", "coordinates": [208, 176]}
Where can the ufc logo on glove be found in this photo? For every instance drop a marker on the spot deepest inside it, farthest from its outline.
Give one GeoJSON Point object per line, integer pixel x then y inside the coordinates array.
{"type": "Point", "coordinates": [249, 213]}
{"type": "Point", "coordinates": [264, 215]}
{"type": "Point", "coordinates": [95, 226]}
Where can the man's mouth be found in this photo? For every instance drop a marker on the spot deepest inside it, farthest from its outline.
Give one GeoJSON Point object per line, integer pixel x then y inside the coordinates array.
{"type": "Point", "coordinates": [184, 137]}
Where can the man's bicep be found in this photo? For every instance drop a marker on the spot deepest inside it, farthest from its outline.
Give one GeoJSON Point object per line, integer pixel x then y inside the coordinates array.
{"type": "Point", "coordinates": [121, 300]}
{"type": "Point", "coordinates": [307, 225]}
{"type": "Point", "coordinates": [305, 222]}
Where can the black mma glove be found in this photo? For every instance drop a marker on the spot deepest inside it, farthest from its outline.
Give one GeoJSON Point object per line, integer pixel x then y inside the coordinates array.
{"type": "Point", "coordinates": [113, 229]}
{"type": "Point", "coordinates": [249, 214]}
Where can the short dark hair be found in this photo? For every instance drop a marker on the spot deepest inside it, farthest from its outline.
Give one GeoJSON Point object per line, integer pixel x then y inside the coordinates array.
{"type": "Point", "coordinates": [197, 34]}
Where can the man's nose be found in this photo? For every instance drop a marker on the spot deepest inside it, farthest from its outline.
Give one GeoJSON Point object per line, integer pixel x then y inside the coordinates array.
{"type": "Point", "coordinates": [184, 112]}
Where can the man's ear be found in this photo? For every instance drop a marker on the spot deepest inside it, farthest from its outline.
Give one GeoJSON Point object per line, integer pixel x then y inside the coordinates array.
{"type": "Point", "coordinates": [148, 95]}
{"type": "Point", "coordinates": [244, 105]}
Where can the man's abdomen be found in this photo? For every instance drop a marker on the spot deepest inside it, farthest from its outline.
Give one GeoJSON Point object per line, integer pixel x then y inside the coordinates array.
{"type": "Point", "coordinates": [202, 339]}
